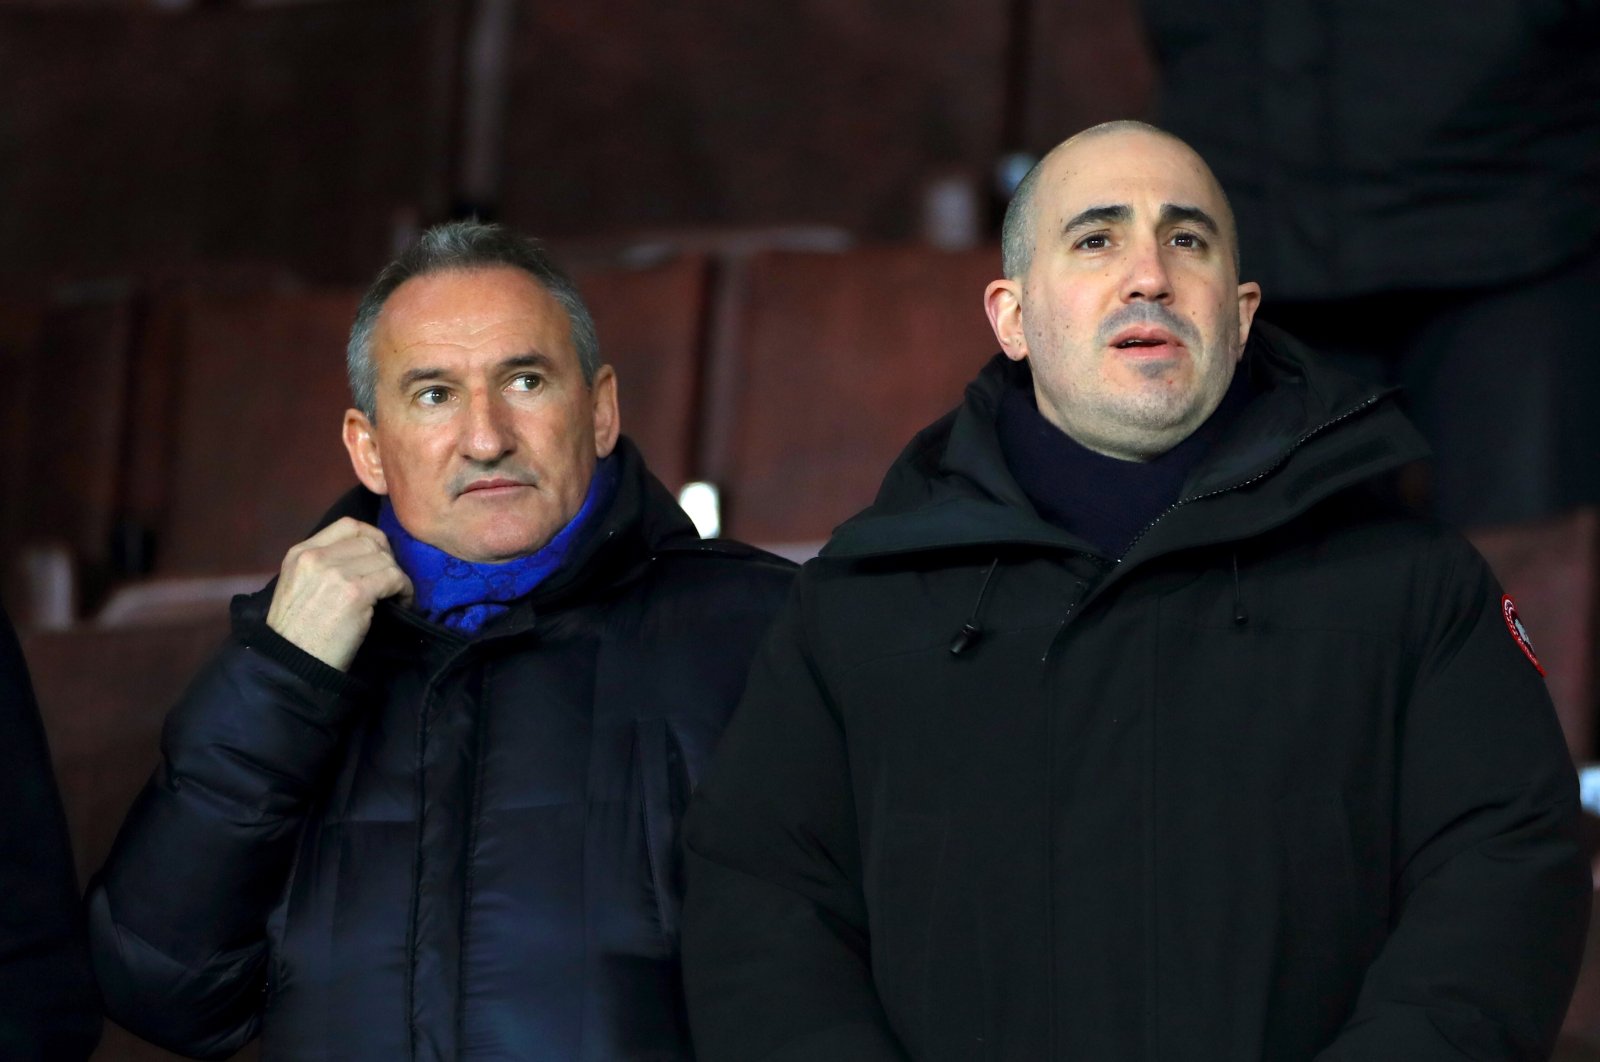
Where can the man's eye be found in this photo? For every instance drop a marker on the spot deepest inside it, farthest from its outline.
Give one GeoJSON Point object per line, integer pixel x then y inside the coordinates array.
{"type": "Point", "coordinates": [432, 396]}
{"type": "Point", "coordinates": [1097, 241]}
{"type": "Point", "coordinates": [526, 381]}
{"type": "Point", "coordinates": [1189, 240]}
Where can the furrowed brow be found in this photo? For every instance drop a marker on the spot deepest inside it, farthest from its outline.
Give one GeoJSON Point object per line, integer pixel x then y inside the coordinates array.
{"type": "Point", "coordinates": [1098, 215]}
{"type": "Point", "coordinates": [420, 373]}
{"type": "Point", "coordinates": [1174, 214]}
{"type": "Point", "coordinates": [531, 360]}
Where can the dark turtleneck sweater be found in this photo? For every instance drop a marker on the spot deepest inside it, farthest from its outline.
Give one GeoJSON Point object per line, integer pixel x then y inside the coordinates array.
{"type": "Point", "coordinates": [1106, 501]}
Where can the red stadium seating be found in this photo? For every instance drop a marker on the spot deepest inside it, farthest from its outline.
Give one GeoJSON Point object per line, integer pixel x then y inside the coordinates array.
{"type": "Point", "coordinates": [652, 323]}
{"type": "Point", "coordinates": [104, 726]}
{"type": "Point", "coordinates": [20, 323]}
{"type": "Point", "coordinates": [65, 431]}
{"type": "Point", "coordinates": [236, 449]}
{"type": "Point", "coordinates": [822, 371]}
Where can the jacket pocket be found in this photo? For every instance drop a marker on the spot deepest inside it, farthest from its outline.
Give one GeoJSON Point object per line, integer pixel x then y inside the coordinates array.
{"type": "Point", "coordinates": [664, 788]}
{"type": "Point", "coordinates": [1332, 929]}
{"type": "Point", "coordinates": [905, 872]}
{"type": "Point", "coordinates": [1320, 862]}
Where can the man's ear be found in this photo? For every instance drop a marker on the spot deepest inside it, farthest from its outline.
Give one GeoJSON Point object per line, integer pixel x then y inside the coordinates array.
{"type": "Point", "coordinates": [362, 446]}
{"type": "Point", "coordinates": [607, 415]}
{"type": "Point", "coordinates": [1249, 301]}
{"type": "Point", "coordinates": [1002, 301]}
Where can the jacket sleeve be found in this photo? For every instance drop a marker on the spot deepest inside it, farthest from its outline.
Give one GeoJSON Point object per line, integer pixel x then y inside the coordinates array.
{"type": "Point", "coordinates": [48, 1009]}
{"type": "Point", "coordinates": [775, 944]}
{"type": "Point", "coordinates": [1491, 897]}
{"type": "Point", "coordinates": [177, 917]}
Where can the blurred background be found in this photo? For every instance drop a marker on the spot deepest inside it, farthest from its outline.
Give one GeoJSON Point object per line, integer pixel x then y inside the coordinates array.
{"type": "Point", "coordinates": [783, 216]}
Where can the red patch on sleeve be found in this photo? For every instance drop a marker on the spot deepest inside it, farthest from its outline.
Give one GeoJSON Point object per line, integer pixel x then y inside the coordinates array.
{"type": "Point", "coordinates": [1519, 633]}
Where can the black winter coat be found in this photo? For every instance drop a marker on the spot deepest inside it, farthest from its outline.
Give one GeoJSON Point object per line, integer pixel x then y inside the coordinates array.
{"type": "Point", "coordinates": [48, 1008]}
{"type": "Point", "coordinates": [1279, 784]}
{"type": "Point", "coordinates": [464, 850]}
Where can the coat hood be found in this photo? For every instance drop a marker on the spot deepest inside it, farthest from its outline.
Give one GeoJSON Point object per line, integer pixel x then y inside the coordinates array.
{"type": "Point", "coordinates": [1311, 432]}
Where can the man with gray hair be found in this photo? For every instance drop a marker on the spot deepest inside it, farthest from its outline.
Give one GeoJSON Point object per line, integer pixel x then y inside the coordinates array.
{"type": "Point", "coordinates": [424, 804]}
{"type": "Point", "coordinates": [1129, 722]}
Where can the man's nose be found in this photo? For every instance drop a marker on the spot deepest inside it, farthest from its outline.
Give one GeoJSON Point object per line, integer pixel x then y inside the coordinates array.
{"type": "Point", "coordinates": [487, 434]}
{"type": "Point", "coordinates": [1147, 279]}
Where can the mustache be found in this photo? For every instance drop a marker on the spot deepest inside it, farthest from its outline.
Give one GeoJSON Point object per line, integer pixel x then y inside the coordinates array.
{"type": "Point", "coordinates": [502, 469]}
{"type": "Point", "coordinates": [1147, 313]}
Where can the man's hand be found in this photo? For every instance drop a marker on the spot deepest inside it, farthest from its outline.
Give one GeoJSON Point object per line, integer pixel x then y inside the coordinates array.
{"type": "Point", "coordinates": [328, 586]}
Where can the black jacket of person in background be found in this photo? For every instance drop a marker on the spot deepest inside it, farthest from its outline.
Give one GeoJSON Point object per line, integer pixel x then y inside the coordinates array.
{"type": "Point", "coordinates": [1280, 783]}
{"type": "Point", "coordinates": [48, 1008]}
{"type": "Point", "coordinates": [1371, 147]}
{"type": "Point", "coordinates": [465, 849]}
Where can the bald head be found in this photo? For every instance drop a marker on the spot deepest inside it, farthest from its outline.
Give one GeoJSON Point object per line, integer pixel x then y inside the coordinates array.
{"type": "Point", "coordinates": [1018, 233]}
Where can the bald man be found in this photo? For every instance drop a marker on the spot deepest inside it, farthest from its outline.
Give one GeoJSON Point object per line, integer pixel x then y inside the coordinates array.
{"type": "Point", "coordinates": [1130, 722]}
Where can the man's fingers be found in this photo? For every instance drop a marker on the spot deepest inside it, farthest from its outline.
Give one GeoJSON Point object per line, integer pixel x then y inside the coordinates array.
{"type": "Point", "coordinates": [344, 529]}
{"type": "Point", "coordinates": [353, 554]}
{"type": "Point", "coordinates": [377, 574]}
{"type": "Point", "coordinates": [390, 582]}
{"type": "Point", "coordinates": [378, 581]}
{"type": "Point", "coordinates": [374, 535]}
{"type": "Point", "coordinates": [408, 593]}
{"type": "Point", "coordinates": [328, 586]}
{"type": "Point", "coordinates": [330, 556]}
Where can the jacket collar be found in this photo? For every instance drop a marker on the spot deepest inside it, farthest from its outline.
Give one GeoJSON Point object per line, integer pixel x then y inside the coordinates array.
{"type": "Point", "coordinates": [642, 521]}
{"type": "Point", "coordinates": [1312, 432]}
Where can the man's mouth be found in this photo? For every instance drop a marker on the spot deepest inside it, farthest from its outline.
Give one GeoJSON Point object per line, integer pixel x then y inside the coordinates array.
{"type": "Point", "coordinates": [1135, 338]}
{"type": "Point", "coordinates": [491, 485]}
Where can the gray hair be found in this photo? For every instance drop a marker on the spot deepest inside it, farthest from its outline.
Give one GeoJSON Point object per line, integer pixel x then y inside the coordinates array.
{"type": "Point", "coordinates": [466, 246]}
{"type": "Point", "coordinates": [1017, 235]}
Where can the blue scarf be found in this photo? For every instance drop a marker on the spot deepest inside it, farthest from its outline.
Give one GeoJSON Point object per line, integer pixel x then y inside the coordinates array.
{"type": "Point", "coordinates": [464, 595]}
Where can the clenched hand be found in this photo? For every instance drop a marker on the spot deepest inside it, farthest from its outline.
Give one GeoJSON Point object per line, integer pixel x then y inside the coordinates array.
{"type": "Point", "coordinates": [328, 586]}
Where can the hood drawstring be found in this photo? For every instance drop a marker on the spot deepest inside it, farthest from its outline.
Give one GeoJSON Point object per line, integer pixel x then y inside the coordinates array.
{"type": "Point", "coordinates": [1239, 616]}
{"type": "Point", "coordinates": [971, 631]}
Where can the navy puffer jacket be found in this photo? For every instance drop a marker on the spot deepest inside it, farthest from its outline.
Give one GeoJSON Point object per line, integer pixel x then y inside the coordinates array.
{"type": "Point", "coordinates": [465, 848]}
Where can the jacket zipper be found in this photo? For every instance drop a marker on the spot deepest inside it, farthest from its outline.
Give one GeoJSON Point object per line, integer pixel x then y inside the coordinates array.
{"type": "Point", "coordinates": [413, 943]}
{"type": "Point", "coordinates": [1258, 477]}
{"type": "Point", "coordinates": [1152, 1005]}
{"type": "Point", "coordinates": [1283, 457]}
